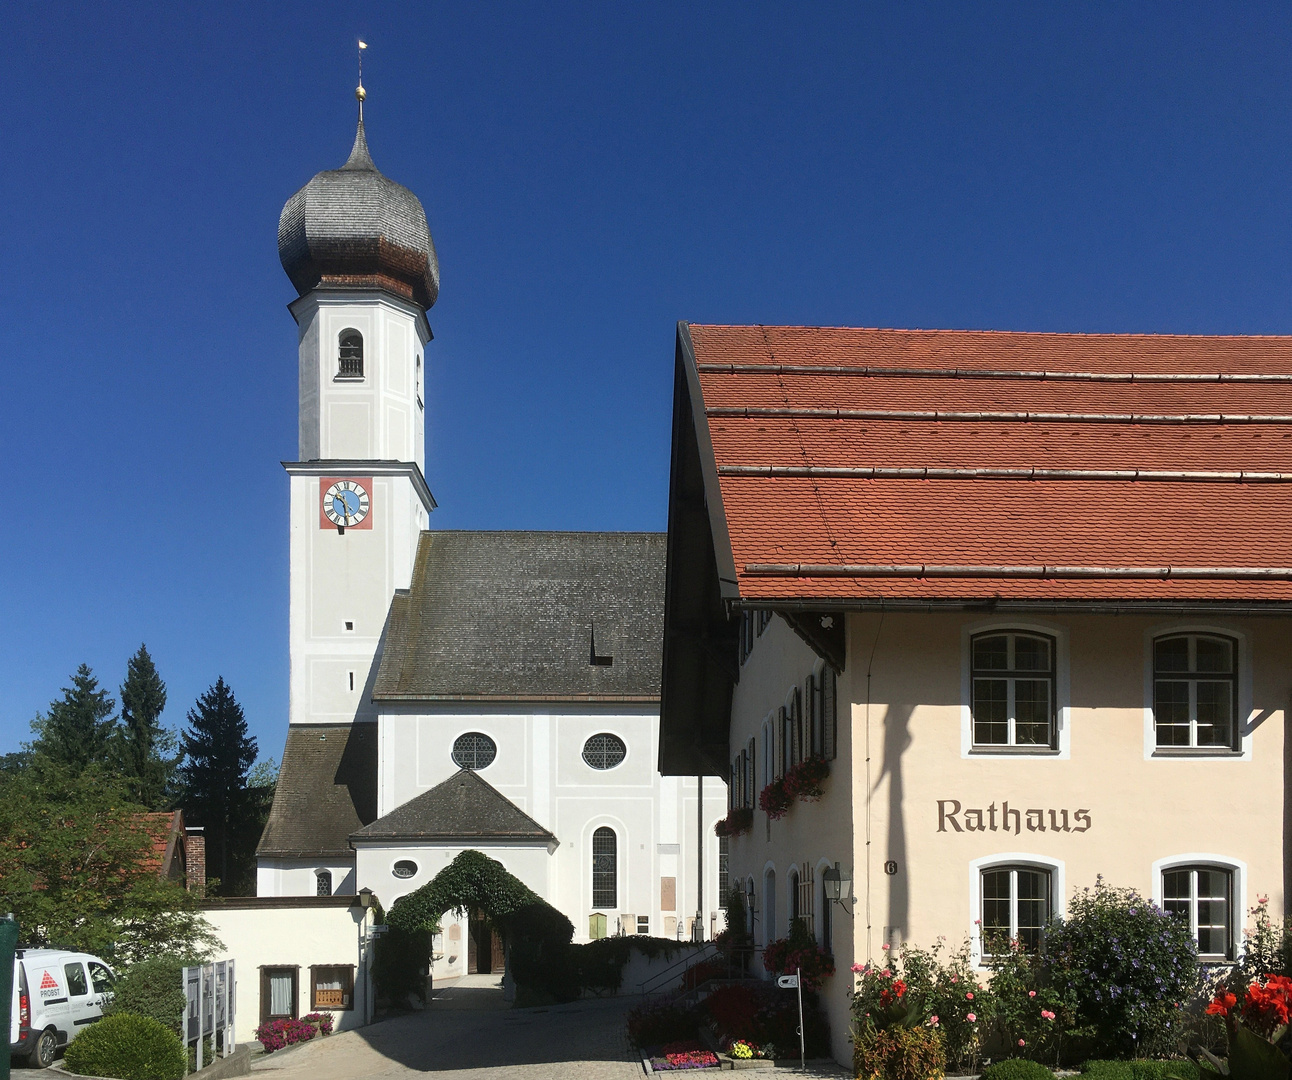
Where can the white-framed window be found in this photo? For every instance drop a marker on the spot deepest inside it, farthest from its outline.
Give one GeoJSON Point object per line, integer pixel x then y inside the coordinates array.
{"type": "Point", "coordinates": [604, 751]}
{"type": "Point", "coordinates": [791, 724]}
{"type": "Point", "coordinates": [826, 924]}
{"type": "Point", "coordinates": [1012, 897]}
{"type": "Point", "coordinates": [1012, 687]}
{"type": "Point", "coordinates": [724, 869]}
{"type": "Point", "coordinates": [1195, 692]}
{"type": "Point", "coordinates": [747, 635]}
{"type": "Point", "coordinates": [769, 753]}
{"type": "Point", "coordinates": [474, 750]}
{"type": "Point", "coordinates": [792, 896]}
{"type": "Point", "coordinates": [1210, 892]}
{"type": "Point", "coordinates": [769, 905]}
{"type": "Point", "coordinates": [323, 882]}
{"type": "Point", "coordinates": [1016, 902]}
{"type": "Point", "coordinates": [605, 868]}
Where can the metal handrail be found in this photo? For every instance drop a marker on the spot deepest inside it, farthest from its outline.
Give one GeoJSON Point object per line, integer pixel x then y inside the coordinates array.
{"type": "Point", "coordinates": [686, 963]}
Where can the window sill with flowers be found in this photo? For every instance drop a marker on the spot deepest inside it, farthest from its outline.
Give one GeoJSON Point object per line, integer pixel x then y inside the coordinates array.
{"type": "Point", "coordinates": [802, 782]}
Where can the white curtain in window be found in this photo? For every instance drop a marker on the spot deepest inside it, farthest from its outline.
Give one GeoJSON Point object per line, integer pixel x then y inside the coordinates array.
{"type": "Point", "coordinates": [280, 994]}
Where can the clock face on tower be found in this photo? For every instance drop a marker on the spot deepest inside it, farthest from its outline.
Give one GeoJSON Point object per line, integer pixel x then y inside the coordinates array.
{"type": "Point", "coordinates": [345, 503]}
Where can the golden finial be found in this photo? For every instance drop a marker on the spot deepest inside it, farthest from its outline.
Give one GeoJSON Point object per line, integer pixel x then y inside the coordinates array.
{"type": "Point", "coordinates": [360, 93]}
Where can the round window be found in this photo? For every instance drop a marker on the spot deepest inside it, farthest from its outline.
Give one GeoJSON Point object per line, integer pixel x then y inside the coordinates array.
{"type": "Point", "coordinates": [604, 751]}
{"type": "Point", "coordinates": [474, 751]}
{"type": "Point", "coordinates": [405, 868]}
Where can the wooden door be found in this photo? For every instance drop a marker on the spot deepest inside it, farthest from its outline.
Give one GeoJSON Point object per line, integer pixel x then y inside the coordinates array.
{"type": "Point", "coordinates": [497, 959]}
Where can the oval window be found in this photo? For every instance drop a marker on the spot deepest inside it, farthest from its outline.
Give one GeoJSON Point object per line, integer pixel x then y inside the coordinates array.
{"type": "Point", "coordinates": [474, 751]}
{"type": "Point", "coordinates": [604, 751]}
{"type": "Point", "coordinates": [405, 868]}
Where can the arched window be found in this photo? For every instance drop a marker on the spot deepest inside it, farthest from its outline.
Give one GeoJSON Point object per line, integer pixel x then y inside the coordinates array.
{"type": "Point", "coordinates": [474, 751]}
{"type": "Point", "coordinates": [827, 925]}
{"type": "Point", "coordinates": [792, 895]}
{"type": "Point", "coordinates": [1202, 895]}
{"type": "Point", "coordinates": [605, 893]}
{"type": "Point", "coordinates": [769, 906]}
{"type": "Point", "coordinates": [1016, 906]}
{"type": "Point", "coordinates": [350, 354]}
{"type": "Point", "coordinates": [323, 882]}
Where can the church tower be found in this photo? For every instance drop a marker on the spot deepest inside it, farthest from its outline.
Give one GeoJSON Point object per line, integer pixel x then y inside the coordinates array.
{"type": "Point", "coordinates": [357, 248]}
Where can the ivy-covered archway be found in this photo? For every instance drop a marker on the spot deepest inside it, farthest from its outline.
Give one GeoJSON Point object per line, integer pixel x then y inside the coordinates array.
{"type": "Point", "coordinates": [536, 935]}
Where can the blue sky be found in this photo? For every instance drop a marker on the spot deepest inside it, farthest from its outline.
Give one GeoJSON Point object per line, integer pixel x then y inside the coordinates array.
{"type": "Point", "coordinates": [592, 173]}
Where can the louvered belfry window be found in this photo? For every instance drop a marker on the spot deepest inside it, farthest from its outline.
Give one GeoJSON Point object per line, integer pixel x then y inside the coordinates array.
{"type": "Point", "coordinates": [351, 355]}
{"type": "Point", "coordinates": [604, 869]}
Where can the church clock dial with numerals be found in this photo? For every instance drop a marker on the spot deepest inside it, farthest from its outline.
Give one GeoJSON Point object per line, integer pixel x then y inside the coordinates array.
{"type": "Point", "coordinates": [346, 504]}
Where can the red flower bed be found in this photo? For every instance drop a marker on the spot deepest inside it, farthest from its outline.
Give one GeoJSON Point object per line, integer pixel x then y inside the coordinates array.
{"type": "Point", "coordinates": [276, 1034]}
{"type": "Point", "coordinates": [684, 1055]}
{"type": "Point", "coordinates": [783, 957]}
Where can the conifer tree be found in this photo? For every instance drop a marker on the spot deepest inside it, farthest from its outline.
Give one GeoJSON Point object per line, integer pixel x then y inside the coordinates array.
{"type": "Point", "coordinates": [79, 727]}
{"type": "Point", "coordinates": [219, 755]}
{"type": "Point", "coordinates": [146, 765]}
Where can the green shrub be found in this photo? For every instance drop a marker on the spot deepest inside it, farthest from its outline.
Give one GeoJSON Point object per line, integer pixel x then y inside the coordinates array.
{"type": "Point", "coordinates": [1139, 1070]}
{"type": "Point", "coordinates": [1129, 967]}
{"type": "Point", "coordinates": [653, 1024]}
{"type": "Point", "coordinates": [899, 1053]}
{"type": "Point", "coordinates": [153, 988]}
{"type": "Point", "coordinates": [400, 961]}
{"type": "Point", "coordinates": [1016, 1069]}
{"type": "Point", "coordinates": [127, 1047]}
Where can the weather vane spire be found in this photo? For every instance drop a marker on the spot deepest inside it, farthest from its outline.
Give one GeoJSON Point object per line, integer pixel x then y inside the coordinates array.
{"type": "Point", "coordinates": [360, 93]}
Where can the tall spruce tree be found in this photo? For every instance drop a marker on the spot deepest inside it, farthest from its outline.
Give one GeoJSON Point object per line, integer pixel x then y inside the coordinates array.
{"type": "Point", "coordinates": [78, 730]}
{"type": "Point", "coordinates": [146, 765]}
{"type": "Point", "coordinates": [219, 754]}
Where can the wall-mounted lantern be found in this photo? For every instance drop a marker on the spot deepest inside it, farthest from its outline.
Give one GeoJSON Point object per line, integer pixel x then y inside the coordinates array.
{"type": "Point", "coordinates": [838, 886]}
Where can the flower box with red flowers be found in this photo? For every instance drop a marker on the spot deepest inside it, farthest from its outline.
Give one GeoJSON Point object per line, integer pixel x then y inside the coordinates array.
{"type": "Point", "coordinates": [774, 800]}
{"type": "Point", "coordinates": [739, 820]}
{"type": "Point", "coordinates": [804, 780]}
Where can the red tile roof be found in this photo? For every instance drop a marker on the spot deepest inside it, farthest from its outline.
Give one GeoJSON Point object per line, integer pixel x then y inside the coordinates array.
{"type": "Point", "coordinates": [913, 464]}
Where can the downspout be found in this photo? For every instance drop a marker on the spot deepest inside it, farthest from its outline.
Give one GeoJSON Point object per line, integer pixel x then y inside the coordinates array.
{"type": "Point", "coordinates": [697, 931]}
{"type": "Point", "coordinates": [869, 790]}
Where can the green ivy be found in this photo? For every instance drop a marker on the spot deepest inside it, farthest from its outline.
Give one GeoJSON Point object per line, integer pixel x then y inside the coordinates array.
{"type": "Point", "coordinates": [537, 935]}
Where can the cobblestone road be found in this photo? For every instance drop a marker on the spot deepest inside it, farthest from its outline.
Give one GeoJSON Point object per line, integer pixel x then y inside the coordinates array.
{"type": "Point", "coordinates": [467, 1033]}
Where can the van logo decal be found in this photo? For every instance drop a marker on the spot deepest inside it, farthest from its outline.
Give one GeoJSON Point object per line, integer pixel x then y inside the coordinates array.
{"type": "Point", "coordinates": [47, 982]}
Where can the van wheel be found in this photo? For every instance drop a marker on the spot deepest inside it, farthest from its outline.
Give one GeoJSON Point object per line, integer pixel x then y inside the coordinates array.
{"type": "Point", "coordinates": [42, 1054]}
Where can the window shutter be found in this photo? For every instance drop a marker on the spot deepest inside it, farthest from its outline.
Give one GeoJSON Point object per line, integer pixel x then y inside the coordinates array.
{"type": "Point", "coordinates": [830, 708]}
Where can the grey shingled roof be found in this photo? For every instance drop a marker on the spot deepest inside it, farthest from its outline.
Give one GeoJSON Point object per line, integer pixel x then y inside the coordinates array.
{"type": "Point", "coordinates": [327, 788]}
{"type": "Point", "coordinates": [463, 807]}
{"type": "Point", "coordinates": [511, 615]}
{"type": "Point", "coordinates": [354, 226]}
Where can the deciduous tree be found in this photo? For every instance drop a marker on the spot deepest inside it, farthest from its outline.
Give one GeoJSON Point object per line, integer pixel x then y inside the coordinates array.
{"type": "Point", "coordinates": [79, 870]}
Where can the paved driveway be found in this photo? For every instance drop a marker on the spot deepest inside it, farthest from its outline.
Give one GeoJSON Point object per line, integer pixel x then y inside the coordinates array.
{"type": "Point", "coordinates": [466, 1032]}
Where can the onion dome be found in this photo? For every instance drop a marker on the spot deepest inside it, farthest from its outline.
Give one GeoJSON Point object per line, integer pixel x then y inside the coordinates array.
{"type": "Point", "coordinates": [352, 227]}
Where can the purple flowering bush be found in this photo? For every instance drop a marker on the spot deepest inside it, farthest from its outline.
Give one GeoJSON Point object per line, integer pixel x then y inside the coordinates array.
{"type": "Point", "coordinates": [1127, 967]}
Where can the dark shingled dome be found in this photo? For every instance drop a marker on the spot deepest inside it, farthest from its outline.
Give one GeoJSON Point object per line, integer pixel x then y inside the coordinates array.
{"type": "Point", "coordinates": [353, 227]}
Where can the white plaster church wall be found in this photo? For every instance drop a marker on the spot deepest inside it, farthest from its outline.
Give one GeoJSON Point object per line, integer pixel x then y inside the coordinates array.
{"type": "Point", "coordinates": [540, 768]}
{"type": "Point", "coordinates": [299, 877]}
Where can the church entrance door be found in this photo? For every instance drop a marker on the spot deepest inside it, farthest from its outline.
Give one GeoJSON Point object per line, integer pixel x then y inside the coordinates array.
{"type": "Point", "coordinates": [484, 946]}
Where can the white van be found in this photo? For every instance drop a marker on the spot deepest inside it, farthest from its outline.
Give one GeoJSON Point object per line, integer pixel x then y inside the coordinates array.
{"type": "Point", "coordinates": [55, 995]}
